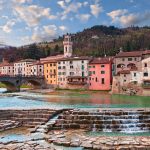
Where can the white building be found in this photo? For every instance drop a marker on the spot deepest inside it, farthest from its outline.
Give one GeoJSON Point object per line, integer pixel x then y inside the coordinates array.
{"type": "Point", "coordinates": [23, 67]}
{"type": "Point", "coordinates": [37, 69]}
{"type": "Point", "coordinates": [72, 72]}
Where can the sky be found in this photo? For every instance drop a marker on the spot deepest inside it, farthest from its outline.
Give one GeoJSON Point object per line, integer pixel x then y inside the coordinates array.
{"type": "Point", "coordinates": [27, 21]}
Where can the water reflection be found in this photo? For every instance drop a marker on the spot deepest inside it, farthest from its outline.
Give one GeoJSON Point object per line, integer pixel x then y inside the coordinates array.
{"type": "Point", "coordinates": [67, 99]}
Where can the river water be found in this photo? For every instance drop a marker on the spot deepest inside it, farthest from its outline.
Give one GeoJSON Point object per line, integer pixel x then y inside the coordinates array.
{"type": "Point", "coordinates": [69, 99]}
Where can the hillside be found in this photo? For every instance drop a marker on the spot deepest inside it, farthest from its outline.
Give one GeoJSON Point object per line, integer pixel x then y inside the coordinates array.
{"type": "Point", "coordinates": [96, 41]}
{"type": "Point", "coordinates": [100, 40]}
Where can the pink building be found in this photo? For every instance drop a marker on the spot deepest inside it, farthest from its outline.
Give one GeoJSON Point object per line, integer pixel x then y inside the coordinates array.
{"type": "Point", "coordinates": [100, 74]}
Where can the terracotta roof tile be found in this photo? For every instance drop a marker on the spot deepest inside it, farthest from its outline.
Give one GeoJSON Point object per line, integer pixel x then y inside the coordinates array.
{"type": "Point", "coordinates": [101, 61]}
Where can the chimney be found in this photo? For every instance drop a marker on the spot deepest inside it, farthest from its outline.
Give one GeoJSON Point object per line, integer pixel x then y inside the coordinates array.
{"type": "Point", "coordinates": [5, 60]}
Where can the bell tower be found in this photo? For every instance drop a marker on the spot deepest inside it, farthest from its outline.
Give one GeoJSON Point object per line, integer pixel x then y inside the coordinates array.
{"type": "Point", "coordinates": [67, 46]}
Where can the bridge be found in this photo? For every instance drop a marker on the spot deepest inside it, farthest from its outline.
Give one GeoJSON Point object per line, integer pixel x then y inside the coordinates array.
{"type": "Point", "coordinates": [13, 83]}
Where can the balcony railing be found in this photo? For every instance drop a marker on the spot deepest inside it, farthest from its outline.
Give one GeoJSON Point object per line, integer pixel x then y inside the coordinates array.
{"type": "Point", "coordinates": [77, 82]}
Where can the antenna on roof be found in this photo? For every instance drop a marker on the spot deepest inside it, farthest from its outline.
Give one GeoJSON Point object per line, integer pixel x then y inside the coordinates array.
{"type": "Point", "coordinates": [105, 53]}
{"type": "Point", "coordinates": [121, 49]}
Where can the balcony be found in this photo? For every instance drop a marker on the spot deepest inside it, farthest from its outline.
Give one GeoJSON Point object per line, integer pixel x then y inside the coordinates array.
{"type": "Point", "coordinates": [52, 74]}
{"type": "Point", "coordinates": [77, 80]}
{"type": "Point", "coordinates": [146, 84]}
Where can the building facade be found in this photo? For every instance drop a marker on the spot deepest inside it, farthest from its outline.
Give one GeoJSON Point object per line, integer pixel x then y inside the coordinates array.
{"type": "Point", "coordinates": [146, 72]}
{"type": "Point", "coordinates": [50, 72]}
{"type": "Point", "coordinates": [37, 69]}
{"type": "Point", "coordinates": [7, 69]}
{"type": "Point", "coordinates": [72, 72]}
{"type": "Point", "coordinates": [100, 74]}
{"type": "Point", "coordinates": [23, 67]}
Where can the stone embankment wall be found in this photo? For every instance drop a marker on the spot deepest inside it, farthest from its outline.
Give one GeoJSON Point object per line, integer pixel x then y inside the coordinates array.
{"type": "Point", "coordinates": [105, 120]}
{"type": "Point", "coordinates": [28, 118]}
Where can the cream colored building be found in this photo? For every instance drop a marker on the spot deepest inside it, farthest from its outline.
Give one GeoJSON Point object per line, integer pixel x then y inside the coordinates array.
{"type": "Point", "coordinates": [37, 69]}
{"type": "Point", "coordinates": [7, 69]}
{"type": "Point", "coordinates": [23, 67]}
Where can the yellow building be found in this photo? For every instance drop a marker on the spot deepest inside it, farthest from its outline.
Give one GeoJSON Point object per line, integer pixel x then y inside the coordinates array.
{"type": "Point", "coordinates": [50, 72]}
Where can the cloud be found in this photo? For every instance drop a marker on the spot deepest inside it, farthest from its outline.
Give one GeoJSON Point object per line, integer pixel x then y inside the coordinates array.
{"type": "Point", "coordinates": [4, 17]}
{"type": "Point", "coordinates": [33, 14]}
{"type": "Point", "coordinates": [68, 8]}
{"type": "Point", "coordinates": [134, 19]}
{"type": "Point", "coordinates": [45, 33]}
{"type": "Point", "coordinates": [116, 14]}
{"type": "Point", "coordinates": [8, 26]}
{"type": "Point", "coordinates": [22, 1]}
{"type": "Point", "coordinates": [96, 9]}
{"type": "Point", "coordinates": [61, 4]}
{"type": "Point", "coordinates": [83, 17]}
{"type": "Point", "coordinates": [127, 19]}
{"type": "Point", "coordinates": [85, 3]}
{"type": "Point", "coordinates": [63, 28]}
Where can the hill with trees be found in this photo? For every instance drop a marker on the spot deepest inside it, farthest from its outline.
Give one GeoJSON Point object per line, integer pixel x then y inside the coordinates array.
{"type": "Point", "coordinates": [96, 41]}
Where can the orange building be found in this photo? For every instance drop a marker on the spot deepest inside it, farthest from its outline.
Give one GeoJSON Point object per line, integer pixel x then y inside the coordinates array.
{"type": "Point", "coordinates": [50, 68]}
{"type": "Point", "coordinates": [50, 72]}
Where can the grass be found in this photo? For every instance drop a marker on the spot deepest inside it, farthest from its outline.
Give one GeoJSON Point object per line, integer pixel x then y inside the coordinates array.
{"type": "Point", "coordinates": [22, 86]}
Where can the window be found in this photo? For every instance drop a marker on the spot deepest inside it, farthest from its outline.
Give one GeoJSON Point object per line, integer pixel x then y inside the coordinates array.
{"type": "Point", "coordinates": [129, 59]}
{"type": "Point", "coordinates": [64, 67]}
{"type": "Point", "coordinates": [145, 64]}
{"type": "Point", "coordinates": [70, 62]}
{"type": "Point", "coordinates": [124, 80]}
{"type": "Point", "coordinates": [103, 81]}
{"type": "Point", "coordinates": [96, 79]}
{"type": "Point", "coordinates": [59, 62]}
{"type": "Point", "coordinates": [59, 67]}
{"type": "Point", "coordinates": [145, 74]}
{"type": "Point", "coordinates": [134, 74]}
{"type": "Point", "coordinates": [82, 74]}
{"type": "Point", "coordinates": [102, 72]}
{"type": "Point", "coordinates": [90, 73]}
{"type": "Point", "coordinates": [59, 73]}
{"type": "Point", "coordinates": [102, 66]}
{"type": "Point", "coordinates": [82, 67]}
{"type": "Point", "coordinates": [89, 66]}
{"type": "Point", "coordinates": [71, 73]}
{"type": "Point", "coordinates": [93, 66]}
{"type": "Point", "coordinates": [124, 75]}
{"type": "Point", "coordinates": [93, 72]}
{"type": "Point", "coordinates": [71, 67]}
{"type": "Point", "coordinates": [82, 61]}
{"type": "Point", "coordinates": [135, 58]}
{"type": "Point", "coordinates": [123, 59]}
{"type": "Point", "coordinates": [63, 62]}
{"type": "Point", "coordinates": [51, 65]}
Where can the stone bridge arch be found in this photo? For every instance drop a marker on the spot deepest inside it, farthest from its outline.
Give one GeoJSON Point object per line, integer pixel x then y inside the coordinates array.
{"type": "Point", "coordinates": [13, 84]}
{"type": "Point", "coordinates": [36, 83]}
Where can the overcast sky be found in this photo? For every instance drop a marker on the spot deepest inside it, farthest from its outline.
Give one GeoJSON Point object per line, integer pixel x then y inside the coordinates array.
{"type": "Point", "coordinates": [26, 21]}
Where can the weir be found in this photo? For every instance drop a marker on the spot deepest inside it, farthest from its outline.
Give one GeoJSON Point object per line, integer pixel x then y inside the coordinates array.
{"type": "Point", "coordinates": [126, 121]}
